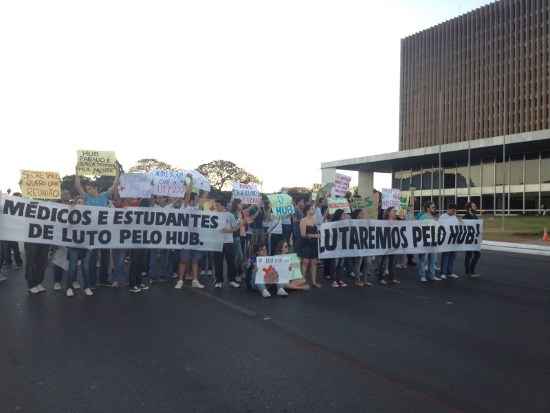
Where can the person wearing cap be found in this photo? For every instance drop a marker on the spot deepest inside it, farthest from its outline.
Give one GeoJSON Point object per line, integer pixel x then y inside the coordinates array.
{"type": "Point", "coordinates": [448, 258]}
{"type": "Point", "coordinates": [427, 261]}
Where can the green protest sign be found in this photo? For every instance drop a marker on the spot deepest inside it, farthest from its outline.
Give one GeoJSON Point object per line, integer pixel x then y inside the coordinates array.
{"type": "Point", "coordinates": [281, 204]}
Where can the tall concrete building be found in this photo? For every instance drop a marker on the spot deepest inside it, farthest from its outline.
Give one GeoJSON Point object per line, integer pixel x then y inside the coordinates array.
{"type": "Point", "coordinates": [474, 119]}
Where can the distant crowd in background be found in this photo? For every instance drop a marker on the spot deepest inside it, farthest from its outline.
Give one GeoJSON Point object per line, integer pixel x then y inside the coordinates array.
{"type": "Point", "coordinates": [248, 234]}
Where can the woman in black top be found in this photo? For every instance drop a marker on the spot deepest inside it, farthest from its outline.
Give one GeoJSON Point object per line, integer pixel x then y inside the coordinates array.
{"type": "Point", "coordinates": [309, 251]}
{"type": "Point", "coordinates": [472, 257]}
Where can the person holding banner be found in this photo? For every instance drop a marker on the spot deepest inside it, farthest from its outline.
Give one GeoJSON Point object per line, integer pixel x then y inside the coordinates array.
{"type": "Point", "coordinates": [448, 258]}
{"type": "Point", "coordinates": [236, 211]}
{"type": "Point", "coordinates": [471, 258]}
{"type": "Point", "coordinates": [309, 244]}
{"type": "Point", "coordinates": [361, 264]}
{"type": "Point", "coordinates": [93, 197]}
{"type": "Point", "coordinates": [387, 275]}
{"type": "Point", "coordinates": [427, 261]}
{"type": "Point", "coordinates": [139, 263]}
{"type": "Point", "coordinates": [298, 283]}
{"type": "Point", "coordinates": [229, 225]}
{"type": "Point", "coordinates": [336, 265]}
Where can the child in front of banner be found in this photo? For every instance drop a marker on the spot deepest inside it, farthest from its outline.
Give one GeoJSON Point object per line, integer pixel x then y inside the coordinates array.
{"type": "Point", "coordinates": [260, 250]}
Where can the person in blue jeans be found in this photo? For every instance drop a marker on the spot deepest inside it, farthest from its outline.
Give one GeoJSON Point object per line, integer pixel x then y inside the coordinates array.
{"type": "Point", "coordinates": [448, 258]}
{"type": "Point", "coordinates": [92, 197]}
{"type": "Point", "coordinates": [427, 262]}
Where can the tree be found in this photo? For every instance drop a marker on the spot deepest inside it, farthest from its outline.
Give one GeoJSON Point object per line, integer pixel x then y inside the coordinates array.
{"type": "Point", "coordinates": [221, 173]}
{"type": "Point", "coordinates": [150, 164]}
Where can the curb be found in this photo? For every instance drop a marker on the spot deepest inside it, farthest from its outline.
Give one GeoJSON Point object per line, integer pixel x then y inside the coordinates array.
{"type": "Point", "coordinates": [530, 249]}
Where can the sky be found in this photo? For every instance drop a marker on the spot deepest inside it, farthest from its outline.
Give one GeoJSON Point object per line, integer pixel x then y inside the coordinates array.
{"type": "Point", "coordinates": [275, 86]}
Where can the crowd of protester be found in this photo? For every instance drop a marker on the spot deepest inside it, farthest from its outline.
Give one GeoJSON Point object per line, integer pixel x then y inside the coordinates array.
{"type": "Point", "coordinates": [248, 233]}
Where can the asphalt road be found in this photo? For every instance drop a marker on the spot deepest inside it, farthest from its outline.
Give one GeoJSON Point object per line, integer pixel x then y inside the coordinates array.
{"type": "Point", "coordinates": [464, 346]}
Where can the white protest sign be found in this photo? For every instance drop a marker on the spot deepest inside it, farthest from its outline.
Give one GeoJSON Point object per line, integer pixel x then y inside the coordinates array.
{"type": "Point", "coordinates": [135, 185]}
{"type": "Point", "coordinates": [359, 238]}
{"type": "Point", "coordinates": [273, 270]}
{"type": "Point", "coordinates": [199, 180]}
{"type": "Point", "coordinates": [249, 194]}
{"type": "Point", "coordinates": [391, 198]}
{"type": "Point", "coordinates": [168, 183]}
{"type": "Point", "coordinates": [335, 204]}
{"type": "Point", "coordinates": [97, 227]}
{"type": "Point", "coordinates": [96, 163]}
{"type": "Point", "coordinates": [341, 185]}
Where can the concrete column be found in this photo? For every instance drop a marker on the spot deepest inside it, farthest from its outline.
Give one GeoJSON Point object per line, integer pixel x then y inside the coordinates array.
{"type": "Point", "coordinates": [365, 183]}
{"type": "Point", "coordinates": [328, 175]}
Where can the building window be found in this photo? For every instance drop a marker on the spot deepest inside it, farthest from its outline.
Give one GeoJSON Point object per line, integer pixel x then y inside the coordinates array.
{"type": "Point", "coordinates": [532, 168]}
{"type": "Point", "coordinates": [450, 178]}
{"type": "Point", "coordinates": [405, 180]}
{"type": "Point", "coordinates": [516, 170]}
{"type": "Point", "coordinates": [500, 174]}
{"type": "Point", "coordinates": [516, 202]}
{"type": "Point", "coordinates": [545, 168]}
{"type": "Point", "coordinates": [488, 202]}
{"type": "Point", "coordinates": [475, 174]}
{"type": "Point", "coordinates": [488, 172]}
{"type": "Point", "coordinates": [427, 179]}
{"type": "Point", "coordinates": [462, 176]}
{"type": "Point", "coordinates": [532, 201]}
{"type": "Point", "coordinates": [415, 182]}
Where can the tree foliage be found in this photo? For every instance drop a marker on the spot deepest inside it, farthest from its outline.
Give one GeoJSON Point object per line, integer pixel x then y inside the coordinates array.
{"type": "Point", "coordinates": [221, 173]}
{"type": "Point", "coordinates": [150, 164]}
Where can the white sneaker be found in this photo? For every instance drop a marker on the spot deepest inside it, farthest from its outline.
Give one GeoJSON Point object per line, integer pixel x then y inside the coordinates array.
{"type": "Point", "coordinates": [88, 292]}
{"type": "Point", "coordinates": [57, 287]}
{"type": "Point", "coordinates": [436, 278]}
{"type": "Point", "coordinates": [40, 288]}
{"type": "Point", "coordinates": [3, 277]}
{"type": "Point", "coordinates": [281, 292]}
{"type": "Point", "coordinates": [443, 276]}
{"type": "Point", "coordinates": [218, 285]}
{"type": "Point", "coordinates": [70, 292]}
{"type": "Point", "coordinates": [265, 293]}
{"type": "Point", "coordinates": [234, 284]}
{"type": "Point", "coordinates": [196, 284]}
{"type": "Point", "coordinates": [423, 280]}
{"type": "Point", "coordinates": [179, 285]}
{"type": "Point", "coordinates": [34, 290]}
{"type": "Point", "coordinates": [76, 285]}
{"type": "Point", "coordinates": [453, 276]}
{"type": "Point", "coordinates": [475, 275]}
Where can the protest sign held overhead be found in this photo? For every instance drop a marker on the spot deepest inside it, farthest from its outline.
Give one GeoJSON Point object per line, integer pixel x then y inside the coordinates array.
{"type": "Point", "coordinates": [354, 238]}
{"type": "Point", "coordinates": [96, 163]}
{"type": "Point", "coordinates": [135, 185]}
{"type": "Point", "coordinates": [247, 193]}
{"type": "Point", "coordinates": [341, 185]}
{"type": "Point", "coordinates": [281, 205]}
{"type": "Point", "coordinates": [273, 270]}
{"type": "Point", "coordinates": [40, 185]}
{"type": "Point", "coordinates": [199, 181]}
{"type": "Point", "coordinates": [338, 203]}
{"type": "Point", "coordinates": [168, 183]}
{"type": "Point", "coordinates": [98, 227]}
{"type": "Point", "coordinates": [391, 198]}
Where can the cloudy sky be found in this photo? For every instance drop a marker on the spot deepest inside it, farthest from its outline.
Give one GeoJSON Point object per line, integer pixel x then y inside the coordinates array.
{"type": "Point", "coordinates": [275, 86]}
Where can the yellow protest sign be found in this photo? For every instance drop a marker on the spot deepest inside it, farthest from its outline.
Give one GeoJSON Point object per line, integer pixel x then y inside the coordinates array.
{"type": "Point", "coordinates": [40, 185]}
{"type": "Point", "coordinates": [96, 163]}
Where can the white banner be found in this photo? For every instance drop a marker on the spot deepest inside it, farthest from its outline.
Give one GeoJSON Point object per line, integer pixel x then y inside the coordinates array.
{"type": "Point", "coordinates": [341, 185]}
{"type": "Point", "coordinates": [135, 186]}
{"type": "Point", "coordinates": [97, 227]}
{"type": "Point", "coordinates": [273, 270]}
{"type": "Point", "coordinates": [168, 183]}
{"type": "Point", "coordinates": [249, 194]}
{"type": "Point", "coordinates": [359, 238]}
{"type": "Point", "coordinates": [391, 198]}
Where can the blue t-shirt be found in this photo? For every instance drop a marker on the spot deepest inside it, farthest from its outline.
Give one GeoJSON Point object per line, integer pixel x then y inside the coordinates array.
{"type": "Point", "coordinates": [101, 200]}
